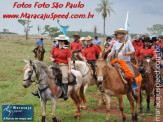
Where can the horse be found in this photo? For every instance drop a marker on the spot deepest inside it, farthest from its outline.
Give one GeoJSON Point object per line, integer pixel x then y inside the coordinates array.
{"type": "Point", "coordinates": [47, 88]}
{"type": "Point", "coordinates": [148, 81]}
{"type": "Point", "coordinates": [114, 86]}
{"type": "Point", "coordinates": [87, 78]}
{"type": "Point", "coordinates": [40, 53]}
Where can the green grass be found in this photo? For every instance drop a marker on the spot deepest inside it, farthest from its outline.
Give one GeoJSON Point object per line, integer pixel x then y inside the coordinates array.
{"type": "Point", "coordinates": [12, 52]}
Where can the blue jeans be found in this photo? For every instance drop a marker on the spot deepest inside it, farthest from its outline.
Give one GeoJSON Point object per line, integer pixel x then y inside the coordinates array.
{"type": "Point", "coordinates": [134, 85]}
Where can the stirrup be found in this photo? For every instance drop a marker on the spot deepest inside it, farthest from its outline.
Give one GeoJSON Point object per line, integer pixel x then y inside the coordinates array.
{"type": "Point", "coordinates": [35, 94]}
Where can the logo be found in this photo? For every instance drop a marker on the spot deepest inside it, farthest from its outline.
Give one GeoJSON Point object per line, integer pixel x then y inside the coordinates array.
{"type": "Point", "coordinates": [17, 112]}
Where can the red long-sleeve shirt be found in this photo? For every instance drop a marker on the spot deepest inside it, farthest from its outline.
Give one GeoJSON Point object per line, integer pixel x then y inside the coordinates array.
{"type": "Point", "coordinates": [76, 46]}
{"type": "Point", "coordinates": [144, 52]}
{"type": "Point", "coordinates": [90, 52]}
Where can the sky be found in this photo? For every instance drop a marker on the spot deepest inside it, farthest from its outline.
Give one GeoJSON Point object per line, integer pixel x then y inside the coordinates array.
{"type": "Point", "coordinates": [142, 14]}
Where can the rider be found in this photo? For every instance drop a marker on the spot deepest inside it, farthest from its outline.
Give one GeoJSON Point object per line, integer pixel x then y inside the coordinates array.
{"type": "Point", "coordinates": [76, 44]}
{"type": "Point", "coordinates": [61, 57]}
{"type": "Point", "coordinates": [89, 55]}
{"type": "Point", "coordinates": [124, 53]}
{"type": "Point", "coordinates": [136, 42]}
{"type": "Point", "coordinates": [145, 50]}
{"type": "Point", "coordinates": [39, 43]}
{"type": "Point", "coordinates": [97, 42]}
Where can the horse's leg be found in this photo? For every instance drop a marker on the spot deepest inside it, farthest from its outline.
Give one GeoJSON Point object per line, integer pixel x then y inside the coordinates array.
{"type": "Point", "coordinates": [137, 105]}
{"type": "Point", "coordinates": [43, 105]}
{"type": "Point", "coordinates": [148, 101]}
{"type": "Point", "coordinates": [108, 107]}
{"type": "Point", "coordinates": [84, 101]}
{"type": "Point", "coordinates": [82, 97]}
{"type": "Point", "coordinates": [76, 99]}
{"type": "Point", "coordinates": [141, 107]}
{"type": "Point", "coordinates": [129, 96]}
{"type": "Point", "coordinates": [101, 101]}
{"type": "Point", "coordinates": [54, 104]}
{"type": "Point", "coordinates": [155, 95]}
{"type": "Point", "coordinates": [121, 107]}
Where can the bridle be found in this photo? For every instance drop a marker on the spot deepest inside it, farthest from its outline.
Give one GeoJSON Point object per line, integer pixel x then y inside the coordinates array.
{"type": "Point", "coordinates": [30, 75]}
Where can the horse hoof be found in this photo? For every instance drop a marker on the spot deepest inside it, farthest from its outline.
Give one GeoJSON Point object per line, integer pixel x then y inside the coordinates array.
{"type": "Point", "coordinates": [79, 116]}
{"type": "Point", "coordinates": [124, 119]}
{"type": "Point", "coordinates": [136, 117]}
{"type": "Point", "coordinates": [43, 119]}
{"type": "Point", "coordinates": [148, 111]}
{"type": "Point", "coordinates": [75, 117]}
{"type": "Point", "coordinates": [107, 121]}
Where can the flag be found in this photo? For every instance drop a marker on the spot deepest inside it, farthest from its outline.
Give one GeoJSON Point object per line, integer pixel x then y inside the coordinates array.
{"type": "Point", "coordinates": [127, 27]}
{"type": "Point", "coordinates": [64, 29]}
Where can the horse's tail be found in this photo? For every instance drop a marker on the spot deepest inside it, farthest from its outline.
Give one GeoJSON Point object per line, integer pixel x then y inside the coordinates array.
{"type": "Point", "coordinates": [81, 93]}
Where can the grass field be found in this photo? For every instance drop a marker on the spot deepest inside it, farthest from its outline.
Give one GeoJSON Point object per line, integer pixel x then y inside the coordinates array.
{"type": "Point", "coordinates": [13, 49]}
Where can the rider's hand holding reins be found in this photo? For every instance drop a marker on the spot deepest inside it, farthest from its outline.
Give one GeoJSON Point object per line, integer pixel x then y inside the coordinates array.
{"type": "Point", "coordinates": [52, 59]}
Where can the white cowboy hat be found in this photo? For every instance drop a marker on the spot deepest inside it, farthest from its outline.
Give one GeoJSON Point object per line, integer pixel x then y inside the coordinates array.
{"type": "Point", "coordinates": [82, 38]}
{"type": "Point", "coordinates": [62, 37]}
{"type": "Point", "coordinates": [89, 38]}
{"type": "Point", "coordinates": [121, 30]}
{"type": "Point", "coordinates": [136, 37]}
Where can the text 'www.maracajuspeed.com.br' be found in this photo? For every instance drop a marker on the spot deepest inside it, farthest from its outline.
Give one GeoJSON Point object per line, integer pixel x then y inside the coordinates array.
{"type": "Point", "coordinates": [48, 16]}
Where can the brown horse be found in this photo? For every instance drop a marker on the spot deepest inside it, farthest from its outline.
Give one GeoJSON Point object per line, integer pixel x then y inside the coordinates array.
{"type": "Point", "coordinates": [114, 86]}
{"type": "Point", "coordinates": [148, 81]}
{"type": "Point", "coordinates": [40, 53]}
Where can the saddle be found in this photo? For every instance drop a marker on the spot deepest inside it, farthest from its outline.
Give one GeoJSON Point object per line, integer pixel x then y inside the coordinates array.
{"type": "Point", "coordinates": [123, 73]}
{"type": "Point", "coordinates": [58, 75]}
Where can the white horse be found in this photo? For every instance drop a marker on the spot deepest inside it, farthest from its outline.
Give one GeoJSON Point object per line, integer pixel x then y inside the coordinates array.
{"type": "Point", "coordinates": [48, 90]}
{"type": "Point", "coordinates": [87, 78]}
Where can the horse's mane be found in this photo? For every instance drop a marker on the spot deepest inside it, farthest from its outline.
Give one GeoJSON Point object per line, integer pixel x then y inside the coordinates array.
{"type": "Point", "coordinates": [45, 74]}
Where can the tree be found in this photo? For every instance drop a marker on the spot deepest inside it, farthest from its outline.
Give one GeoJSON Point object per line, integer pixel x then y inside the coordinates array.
{"type": "Point", "coordinates": [26, 26]}
{"type": "Point", "coordinates": [156, 30]}
{"type": "Point", "coordinates": [95, 30]}
{"type": "Point", "coordinates": [5, 30]}
{"type": "Point", "coordinates": [105, 8]}
{"type": "Point", "coordinates": [38, 29]}
{"type": "Point", "coordinates": [51, 31]}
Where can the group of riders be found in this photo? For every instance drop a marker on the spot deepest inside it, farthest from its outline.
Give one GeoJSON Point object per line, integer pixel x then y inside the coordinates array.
{"type": "Point", "coordinates": [89, 48]}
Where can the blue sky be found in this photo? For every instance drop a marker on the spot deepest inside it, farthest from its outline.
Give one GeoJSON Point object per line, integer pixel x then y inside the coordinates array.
{"type": "Point", "coordinates": [142, 14]}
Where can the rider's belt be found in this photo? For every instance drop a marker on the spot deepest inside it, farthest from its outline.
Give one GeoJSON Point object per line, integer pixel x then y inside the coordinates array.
{"type": "Point", "coordinates": [61, 64]}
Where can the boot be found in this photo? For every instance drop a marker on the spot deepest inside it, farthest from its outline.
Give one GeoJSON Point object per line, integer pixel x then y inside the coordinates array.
{"type": "Point", "coordinates": [35, 94]}
{"type": "Point", "coordinates": [65, 88]}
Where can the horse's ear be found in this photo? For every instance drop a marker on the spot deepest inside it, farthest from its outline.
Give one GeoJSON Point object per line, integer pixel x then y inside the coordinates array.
{"type": "Point", "coordinates": [26, 61]}
{"type": "Point", "coordinates": [30, 62]}
{"type": "Point", "coordinates": [100, 56]}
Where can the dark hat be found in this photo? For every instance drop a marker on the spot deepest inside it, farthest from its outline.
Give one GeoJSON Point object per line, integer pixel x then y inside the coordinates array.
{"type": "Point", "coordinates": [96, 37]}
{"type": "Point", "coordinates": [147, 39]}
{"type": "Point", "coordinates": [154, 39]}
{"type": "Point", "coordinates": [41, 39]}
{"type": "Point", "coordinates": [108, 38]}
{"type": "Point", "coordinates": [54, 41]}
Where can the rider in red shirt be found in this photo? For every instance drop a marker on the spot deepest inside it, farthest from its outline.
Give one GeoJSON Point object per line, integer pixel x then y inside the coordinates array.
{"type": "Point", "coordinates": [76, 44]}
{"type": "Point", "coordinates": [160, 41]}
{"type": "Point", "coordinates": [61, 57]}
{"type": "Point", "coordinates": [89, 55]}
{"type": "Point", "coordinates": [146, 50]}
{"type": "Point", "coordinates": [136, 42]}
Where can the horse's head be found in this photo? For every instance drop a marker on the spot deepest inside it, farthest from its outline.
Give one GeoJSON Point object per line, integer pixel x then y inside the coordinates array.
{"type": "Point", "coordinates": [100, 69]}
{"type": "Point", "coordinates": [29, 73]}
{"type": "Point", "coordinates": [147, 64]}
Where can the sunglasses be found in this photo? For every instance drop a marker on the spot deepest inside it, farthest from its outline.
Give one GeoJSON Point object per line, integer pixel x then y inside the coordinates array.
{"type": "Point", "coordinates": [120, 33]}
{"type": "Point", "coordinates": [61, 40]}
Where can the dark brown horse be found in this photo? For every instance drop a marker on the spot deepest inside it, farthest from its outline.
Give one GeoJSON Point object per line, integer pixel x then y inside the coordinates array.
{"type": "Point", "coordinates": [148, 81]}
{"type": "Point", "coordinates": [40, 53]}
{"type": "Point", "coordinates": [114, 86]}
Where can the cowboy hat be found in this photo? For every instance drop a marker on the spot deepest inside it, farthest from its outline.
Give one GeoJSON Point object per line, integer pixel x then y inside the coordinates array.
{"type": "Point", "coordinates": [89, 38]}
{"type": "Point", "coordinates": [62, 37]}
{"type": "Point", "coordinates": [76, 34]}
{"type": "Point", "coordinates": [82, 38]}
{"type": "Point", "coordinates": [121, 30]}
{"type": "Point", "coordinates": [136, 37]}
